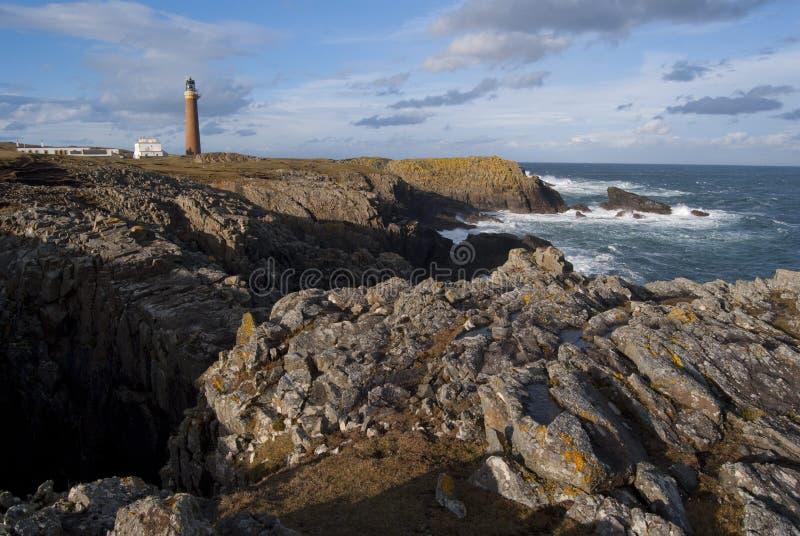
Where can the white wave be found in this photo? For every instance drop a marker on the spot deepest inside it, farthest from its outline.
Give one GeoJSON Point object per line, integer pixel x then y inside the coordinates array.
{"type": "Point", "coordinates": [598, 263]}
{"type": "Point", "coordinates": [681, 217]}
{"type": "Point", "coordinates": [581, 187]}
{"type": "Point", "coordinates": [459, 234]}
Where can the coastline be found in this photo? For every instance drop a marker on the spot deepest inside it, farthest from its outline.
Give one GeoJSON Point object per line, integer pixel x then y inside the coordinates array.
{"type": "Point", "coordinates": [552, 399]}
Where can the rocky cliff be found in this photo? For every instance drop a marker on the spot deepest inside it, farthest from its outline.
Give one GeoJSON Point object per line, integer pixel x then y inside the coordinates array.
{"type": "Point", "coordinates": [659, 409]}
{"type": "Point", "coordinates": [530, 400]}
{"type": "Point", "coordinates": [487, 183]}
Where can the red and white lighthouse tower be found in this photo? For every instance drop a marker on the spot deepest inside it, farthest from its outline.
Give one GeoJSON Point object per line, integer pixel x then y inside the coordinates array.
{"type": "Point", "coordinates": [190, 95]}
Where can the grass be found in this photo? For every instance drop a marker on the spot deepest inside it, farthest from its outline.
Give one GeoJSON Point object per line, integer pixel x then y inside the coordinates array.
{"type": "Point", "coordinates": [386, 485]}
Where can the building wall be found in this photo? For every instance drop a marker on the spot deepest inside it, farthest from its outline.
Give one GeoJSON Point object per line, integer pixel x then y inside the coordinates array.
{"type": "Point", "coordinates": [69, 151]}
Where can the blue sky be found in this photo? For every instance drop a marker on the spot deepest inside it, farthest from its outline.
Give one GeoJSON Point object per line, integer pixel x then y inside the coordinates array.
{"type": "Point", "coordinates": [673, 81]}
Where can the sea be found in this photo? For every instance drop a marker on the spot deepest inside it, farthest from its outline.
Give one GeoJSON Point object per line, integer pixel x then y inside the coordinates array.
{"type": "Point", "coordinates": [752, 229]}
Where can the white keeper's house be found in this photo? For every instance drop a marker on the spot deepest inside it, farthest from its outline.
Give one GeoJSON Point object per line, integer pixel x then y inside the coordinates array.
{"type": "Point", "coordinates": [147, 147]}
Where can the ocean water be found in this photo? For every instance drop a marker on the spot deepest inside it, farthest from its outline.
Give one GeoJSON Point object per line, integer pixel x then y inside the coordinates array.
{"type": "Point", "coordinates": [753, 227]}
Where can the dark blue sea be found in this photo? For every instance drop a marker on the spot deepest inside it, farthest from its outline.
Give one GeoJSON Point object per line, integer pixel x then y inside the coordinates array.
{"type": "Point", "coordinates": [753, 227]}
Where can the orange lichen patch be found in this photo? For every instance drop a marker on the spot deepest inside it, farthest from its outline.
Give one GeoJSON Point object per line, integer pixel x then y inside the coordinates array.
{"type": "Point", "coordinates": [571, 491]}
{"type": "Point", "coordinates": [576, 458]}
{"type": "Point", "coordinates": [566, 439]}
{"type": "Point", "coordinates": [526, 299]}
{"type": "Point", "coordinates": [619, 376]}
{"type": "Point", "coordinates": [684, 315]}
{"type": "Point", "coordinates": [650, 349]}
{"type": "Point", "coordinates": [246, 329]}
{"type": "Point", "coordinates": [586, 417]}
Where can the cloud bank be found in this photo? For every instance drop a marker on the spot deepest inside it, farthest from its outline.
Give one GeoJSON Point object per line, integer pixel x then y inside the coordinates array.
{"type": "Point", "coordinates": [376, 121]}
{"type": "Point", "coordinates": [683, 71]}
{"type": "Point", "coordinates": [758, 99]}
{"type": "Point", "coordinates": [495, 32]}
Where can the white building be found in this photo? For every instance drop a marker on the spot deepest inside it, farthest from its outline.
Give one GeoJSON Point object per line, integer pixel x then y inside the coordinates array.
{"type": "Point", "coordinates": [70, 151]}
{"type": "Point", "coordinates": [147, 147]}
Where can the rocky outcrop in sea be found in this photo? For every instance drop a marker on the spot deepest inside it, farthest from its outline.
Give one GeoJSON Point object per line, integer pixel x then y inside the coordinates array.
{"type": "Point", "coordinates": [528, 399]}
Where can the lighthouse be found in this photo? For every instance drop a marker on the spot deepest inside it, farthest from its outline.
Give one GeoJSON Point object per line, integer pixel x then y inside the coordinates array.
{"type": "Point", "coordinates": [191, 95]}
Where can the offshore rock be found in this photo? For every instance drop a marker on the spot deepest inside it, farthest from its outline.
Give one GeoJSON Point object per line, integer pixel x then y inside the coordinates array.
{"type": "Point", "coordinates": [619, 199]}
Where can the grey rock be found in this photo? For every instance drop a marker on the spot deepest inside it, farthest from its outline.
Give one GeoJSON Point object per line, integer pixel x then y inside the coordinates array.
{"type": "Point", "coordinates": [7, 500]}
{"type": "Point", "coordinates": [96, 503]}
{"type": "Point", "coordinates": [45, 522]}
{"type": "Point", "coordinates": [620, 199]}
{"type": "Point", "coordinates": [446, 496]}
{"type": "Point", "coordinates": [661, 492]}
{"type": "Point", "coordinates": [685, 475]}
{"type": "Point", "coordinates": [771, 494]}
{"type": "Point", "coordinates": [176, 515]}
{"type": "Point", "coordinates": [496, 475]}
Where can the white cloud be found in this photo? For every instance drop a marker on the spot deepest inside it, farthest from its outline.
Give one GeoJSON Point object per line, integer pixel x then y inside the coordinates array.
{"type": "Point", "coordinates": [494, 48]}
{"type": "Point", "coordinates": [145, 54]}
{"type": "Point", "coordinates": [657, 126]}
{"type": "Point", "coordinates": [498, 31]}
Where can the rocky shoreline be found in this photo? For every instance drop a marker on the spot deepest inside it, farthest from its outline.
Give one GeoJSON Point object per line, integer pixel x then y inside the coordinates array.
{"type": "Point", "coordinates": [134, 344]}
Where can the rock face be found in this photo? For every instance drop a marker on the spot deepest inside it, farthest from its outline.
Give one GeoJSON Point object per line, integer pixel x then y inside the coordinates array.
{"type": "Point", "coordinates": [619, 199]}
{"type": "Point", "coordinates": [102, 287]}
{"type": "Point", "coordinates": [128, 507]}
{"type": "Point", "coordinates": [596, 387]}
{"type": "Point", "coordinates": [669, 408]}
{"type": "Point", "coordinates": [487, 183]}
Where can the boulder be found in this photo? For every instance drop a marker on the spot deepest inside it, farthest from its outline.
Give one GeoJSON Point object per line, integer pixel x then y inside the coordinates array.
{"type": "Point", "coordinates": [619, 199]}
{"type": "Point", "coordinates": [446, 496]}
{"type": "Point", "coordinates": [661, 492]}
{"type": "Point", "coordinates": [177, 515]}
{"type": "Point", "coordinates": [496, 475]}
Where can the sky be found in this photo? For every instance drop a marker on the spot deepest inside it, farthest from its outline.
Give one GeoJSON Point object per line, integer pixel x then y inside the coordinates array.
{"type": "Point", "coordinates": [623, 81]}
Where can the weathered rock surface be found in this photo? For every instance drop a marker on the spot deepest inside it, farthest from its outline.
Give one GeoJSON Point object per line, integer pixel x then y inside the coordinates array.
{"type": "Point", "coordinates": [128, 507]}
{"type": "Point", "coordinates": [664, 409]}
{"type": "Point", "coordinates": [619, 199]}
{"type": "Point", "coordinates": [486, 183]}
{"type": "Point", "coordinates": [593, 386]}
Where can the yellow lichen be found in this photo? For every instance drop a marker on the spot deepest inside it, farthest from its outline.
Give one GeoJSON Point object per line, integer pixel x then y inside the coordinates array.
{"type": "Point", "coordinates": [684, 315]}
{"type": "Point", "coordinates": [676, 359]}
{"type": "Point", "coordinates": [246, 329]}
{"type": "Point", "coordinates": [526, 299]}
{"type": "Point", "coordinates": [217, 383]}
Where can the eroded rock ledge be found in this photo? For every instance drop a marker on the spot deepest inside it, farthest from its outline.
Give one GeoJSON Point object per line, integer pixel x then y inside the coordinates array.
{"type": "Point", "coordinates": [610, 400]}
